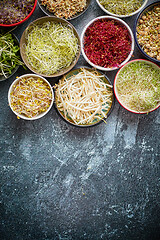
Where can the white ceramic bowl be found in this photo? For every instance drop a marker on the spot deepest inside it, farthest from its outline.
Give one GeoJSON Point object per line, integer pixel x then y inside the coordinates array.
{"type": "Point", "coordinates": [117, 95]}
{"type": "Point", "coordinates": [11, 89]}
{"type": "Point", "coordinates": [122, 16]}
{"type": "Point", "coordinates": [123, 23]}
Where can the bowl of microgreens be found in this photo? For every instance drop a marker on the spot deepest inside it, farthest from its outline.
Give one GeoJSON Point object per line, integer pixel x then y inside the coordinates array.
{"type": "Point", "coordinates": [147, 32]}
{"type": "Point", "coordinates": [30, 97]}
{"type": "Point", "coordinates": [84, 97]}
{"type": "Point", "coordinates": [15, 12]}
{"type": "Point", "coordinates": [121, 8]}
{"type": "Point", "coordinates": [107, 43]}
{"type": "Point", "coordinates": [67, 9]}
{"type": "Point", "coordinates": [137, 86]}
{"type": "Point", "coordinates": [10, 58]}
{"type": "Point", "coordinates": [50, 46]}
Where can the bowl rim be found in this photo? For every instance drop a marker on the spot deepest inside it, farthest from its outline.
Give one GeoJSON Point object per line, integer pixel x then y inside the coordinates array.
{"type": "Point", "coordinates": [122, 16]}
{"type": "Point", "coordinates": [63, 21]}
{"type": "Point", "coordinates": [15, 24]}
{"type": "Point", "coordinates": [132, 43]}
{"type": "Point", "coordinates": [10, 90]}
{"type": "Point", "coordinates": [48, 13]}
{"type": "Point", "coordinates": [135, 32]}
{"type": "Point", "coordinates": [108, 113]}
{"type": "Point", "coordinates": [17, 67]}
{"type": "Point", "coordinates": [115, 90]}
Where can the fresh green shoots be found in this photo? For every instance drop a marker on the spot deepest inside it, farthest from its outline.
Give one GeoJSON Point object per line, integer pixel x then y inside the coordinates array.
{"type": "Point", "coordinates": [138, 86]}
{"type": "Point", "coordinates": [50, 47]}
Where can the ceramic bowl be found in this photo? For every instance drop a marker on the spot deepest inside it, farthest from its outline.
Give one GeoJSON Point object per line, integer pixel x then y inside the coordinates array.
{"type": "Point", "coordinates": [138, 98]}
{"type": "Point", "coordinates": [16, 43]}
{"type": "Point", "coordinates": [144, 2]}
{"type": "Point", "coordinates": [121, 23]}
{"type": "Point", "coordinates": [20, 22]}
{"type": "Point", "coordinates": [12, 87]}
{"type": "Point", "coordinates": [39, 22]}
{"type": "Point", "coordinates": [96, 120]}
{"type": "Point", "coordinates": [49, 13]}
{"type": "Point", "coordinates": [143, 46]}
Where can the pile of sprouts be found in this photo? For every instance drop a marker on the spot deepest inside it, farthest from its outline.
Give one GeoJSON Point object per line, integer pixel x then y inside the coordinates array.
{"type": "Point", "coordinates": [138, 86]}
{"type": "Point", "coordinates": [121, 7]}
{"type": "Point", "coordinates": [64, 8]}
{"type": "Point", "coordinates": [84, 98]}
{"type": "Point", "coordinates": [30, 96]}
{"type": "Point", "coordinates": [50, 47]}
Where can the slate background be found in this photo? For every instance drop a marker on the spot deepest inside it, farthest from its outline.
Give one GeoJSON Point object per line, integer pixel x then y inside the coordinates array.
{"type": "Point", "coordinates": [59, 182]}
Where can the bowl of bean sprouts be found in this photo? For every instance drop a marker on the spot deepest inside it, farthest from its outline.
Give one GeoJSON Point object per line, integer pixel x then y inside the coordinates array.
{"type": "Point", "coordinates": [84, 97]}
{"type": "Point", "coordinates": [50, 46]}
{"type": "Point", "coordinates": [147, 32]}
{"type": "Point", "coordinates": [121, 8]}
{"type": "Point", "coordinates": [30, 97]}
{"type": "Point", "coordinates": [66, 9]}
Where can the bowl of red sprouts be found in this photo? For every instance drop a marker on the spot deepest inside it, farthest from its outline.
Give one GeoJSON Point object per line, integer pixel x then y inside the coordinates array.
{"type": "Point", "coordinates": [107, 43]}
{"type": "Point", "coordinates": [15, 12]}
{"type": "Point", "coordinates": [30, 97]}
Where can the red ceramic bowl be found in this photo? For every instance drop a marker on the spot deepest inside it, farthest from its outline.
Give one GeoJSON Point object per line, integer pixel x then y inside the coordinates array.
{"type": "Point", "coordinates": [132, 95]}
{"type": "Point", "coordinates": [17, 23]}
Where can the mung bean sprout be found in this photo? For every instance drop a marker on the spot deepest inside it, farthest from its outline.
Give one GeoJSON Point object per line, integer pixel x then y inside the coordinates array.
{"type": "Point", "coordinates": [84, 98]}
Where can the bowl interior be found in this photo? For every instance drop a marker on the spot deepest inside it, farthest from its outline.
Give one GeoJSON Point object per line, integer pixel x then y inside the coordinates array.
{"type": "Point", "coordinates": [144, 2]}
{"type": "Point", "coordinates": [121, 22]}
{"type": "Point", "coordinates": [23, 20]}
{"type": "Point", "coordinates": [16, 42]}
{"type": "Point", "coordinates": [34, 76]}
{"type": "Point", "coordinates": [139, 17]}
{"type": "Point", "coordinates": [23, 42]}
{"type": "Point", "coordinates": [143, 91]}
{"type": "Point", "coordinates": [49, 13]}
{"type": "Point", "coordinates": [96, 120]}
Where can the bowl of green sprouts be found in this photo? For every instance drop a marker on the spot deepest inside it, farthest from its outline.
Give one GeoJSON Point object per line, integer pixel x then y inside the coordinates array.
{"type": "Point", "coordinates": [137, 86]}
{"type": "Point", "coordinates": [10, 58]}
{"type": "Point", "coordinates": [121, 8]}
{"type": "Point", "coordinates": [50, 46]}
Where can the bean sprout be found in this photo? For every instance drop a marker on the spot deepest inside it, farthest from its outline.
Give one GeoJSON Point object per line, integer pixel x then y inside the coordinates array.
{"type": "Point", "coordinates": [83, 98]}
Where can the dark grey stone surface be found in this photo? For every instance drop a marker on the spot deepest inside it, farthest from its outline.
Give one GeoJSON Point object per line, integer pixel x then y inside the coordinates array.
{"type": "Point", "coordinates": [59, 182]}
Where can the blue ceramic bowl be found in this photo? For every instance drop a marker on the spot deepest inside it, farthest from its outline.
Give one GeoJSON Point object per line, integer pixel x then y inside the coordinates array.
{"type": "Point", "coordinates": [146, 9]}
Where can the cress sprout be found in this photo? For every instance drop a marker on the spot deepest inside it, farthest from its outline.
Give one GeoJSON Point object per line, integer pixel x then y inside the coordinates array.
{"type": "Point", "coordinates": [138, 86]}
{"type": "Point", "coordinates": [9, 54]}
